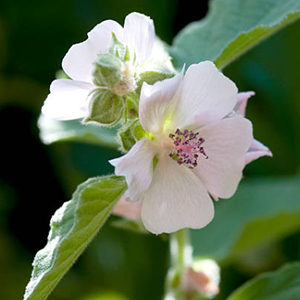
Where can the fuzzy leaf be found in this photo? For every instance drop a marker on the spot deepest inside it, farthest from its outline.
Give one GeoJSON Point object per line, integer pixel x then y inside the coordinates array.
{"type": "Point", "coordinates": [72, 228]}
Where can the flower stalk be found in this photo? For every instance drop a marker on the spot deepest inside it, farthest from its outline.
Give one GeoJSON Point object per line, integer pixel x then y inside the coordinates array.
{"type": "Point", "coordinates": [180, 249]}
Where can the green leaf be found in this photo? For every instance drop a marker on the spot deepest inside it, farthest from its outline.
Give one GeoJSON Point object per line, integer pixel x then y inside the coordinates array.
{"type": "Point", "coordinates": [283, 284]}
{"type": "Point", "coordinates": [231, 28]}
{"type": "Point", "coordinates": [72, 228]}
{"type": "Point", "coordinates": [52, 131]}
{"type": "Point", "coordinates": [261, 211]}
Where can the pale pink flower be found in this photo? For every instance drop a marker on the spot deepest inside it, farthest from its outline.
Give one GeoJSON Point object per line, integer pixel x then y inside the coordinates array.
{"type": "Point", "coordinates": [192, 149]}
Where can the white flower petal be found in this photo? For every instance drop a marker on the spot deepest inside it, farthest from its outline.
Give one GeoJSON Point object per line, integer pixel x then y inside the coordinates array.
{"type": "Point", "coordinates": [242, 99]}
{"type": "Point", "coordinates": [207, 96]}
{"type": "Point", "coordinates": [137, 167]}
{"type": "Point", "coordinates": [139, 34]}
{"type": "Point", "coordinates": [257, 150]}
{"type": "Point", "coordinates": [155, 100]}
{"type": "Point", "coordinates": [175, 199]}
{"type": "Point", "coordinates": [67, 100]}
{"type": "Point", "coordinates": [78, 62]}
{"type": "Point", "coordinates": [226, 143]}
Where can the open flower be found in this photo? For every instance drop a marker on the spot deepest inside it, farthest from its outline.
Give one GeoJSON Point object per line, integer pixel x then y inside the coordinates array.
{"type": "Point", "coordinates": [126, 53]}
{"type": "Point", "coordinates": [192, 149]}
{"type": "Point", "coordinates": [132, 210]}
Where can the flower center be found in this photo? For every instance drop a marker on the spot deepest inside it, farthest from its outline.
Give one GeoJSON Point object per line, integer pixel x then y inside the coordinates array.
{"type": "Point", "coordinates": [186, 147]}
{"type": "Point", "coordinates": [127, 83]}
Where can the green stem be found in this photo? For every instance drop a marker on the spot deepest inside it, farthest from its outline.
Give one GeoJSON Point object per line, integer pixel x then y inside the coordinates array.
{"type": "Point", "coordinates": [181, 249]}
{"type": "Point", "coordinates": [181, 259]}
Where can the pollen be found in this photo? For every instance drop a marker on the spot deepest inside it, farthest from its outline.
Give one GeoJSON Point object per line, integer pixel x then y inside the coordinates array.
{"type": "Point", "coordinates": [187, 146]}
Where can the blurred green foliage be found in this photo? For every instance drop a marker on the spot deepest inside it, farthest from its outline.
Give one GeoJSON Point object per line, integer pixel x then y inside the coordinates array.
{"type": "Point", "coordinates": [33, 40]}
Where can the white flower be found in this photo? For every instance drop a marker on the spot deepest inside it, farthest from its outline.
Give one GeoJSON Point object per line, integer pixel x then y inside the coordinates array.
{"type": "Point", "coordinates": [69, 98]}
{"type": "Point", "coordinates": [192, 149]}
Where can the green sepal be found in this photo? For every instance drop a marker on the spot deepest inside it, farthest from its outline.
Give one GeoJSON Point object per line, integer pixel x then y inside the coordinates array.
{"type": "Point", "coordinates": [132, 106]}
{"type": "Point", "coordinates": [118, 49]}
{"type": "Point", "coordinates": [138, 131]}
{"type": "Point", "coordinates": [125, 137]}
{"type": "Point", "coordinates": [106, 108]}
{"type": "Point", "coordinates": [129, 134]}
{"type": "Point", "coordinates": [151, 77]}
{"type": "Point", "coordinates": [108, 70]}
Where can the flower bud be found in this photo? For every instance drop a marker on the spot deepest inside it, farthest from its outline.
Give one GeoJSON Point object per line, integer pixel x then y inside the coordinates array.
{"type": "Point", "coordinates": [202, 279]}
{"type": "Point", "coordinates": [108, 70]}
{"type": "Point", "coordinates": [106, 108]}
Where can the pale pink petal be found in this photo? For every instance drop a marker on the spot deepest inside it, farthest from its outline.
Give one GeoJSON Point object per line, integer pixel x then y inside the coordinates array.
{"type": "Point", "coordinates": [78, 62]}
{"type": "Point", "coordinates": [203, 276]}
{"type": "Point", "coordinates": [175, 199]}
{"type": "Point", "coordinates": [137, 167]}
{"type": "Point", "coordinates": [139, 34]}
{"type": "Point", "coordinates": [199, 281]}
{"type": "Point", "coordinates": [257, 150]}
{"type": "Point", "coordinates": [129, 210]}
{"type": "Point", "coordinates": [226, 143]}
{"type": "Point", "coordinates": [68, 100]}
{"type": "Point", "coordinates": [242, 99]}
{"type": "Point", "coordinates": [207, 96]}
{"type": "Point", "coordinates": [155, 100]}
{"type": "Point", "coordinates": [214, 197]}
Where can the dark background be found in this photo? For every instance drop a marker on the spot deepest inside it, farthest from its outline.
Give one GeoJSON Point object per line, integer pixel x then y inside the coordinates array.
{"type": "Point", "coordinates": [36, 179]}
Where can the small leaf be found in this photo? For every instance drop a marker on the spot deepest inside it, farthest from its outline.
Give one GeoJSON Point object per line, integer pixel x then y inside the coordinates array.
{"type": "Point", "coordinates": [106, 108]}
{"type": "Point", "coordinates": [283, 284]}
{"type": "Point", "coordinates": [72, 228]}
{"type": "Point", "coordinates": [231, 28]}
{"type": "Point", "coordinates": [52, 131]}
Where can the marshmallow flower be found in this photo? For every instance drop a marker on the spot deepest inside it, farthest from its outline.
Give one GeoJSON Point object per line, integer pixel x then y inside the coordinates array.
{"type": "Point", "coordinates": [69, 98]}
{"type": "Point", "coordinates": [195, 146]}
